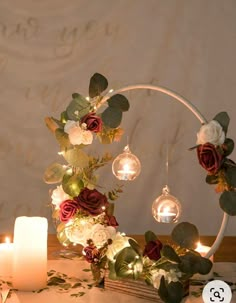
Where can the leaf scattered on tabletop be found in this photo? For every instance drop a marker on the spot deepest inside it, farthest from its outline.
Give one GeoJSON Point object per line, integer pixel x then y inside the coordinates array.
{"type": "Point", "coordinates": [79, 294]}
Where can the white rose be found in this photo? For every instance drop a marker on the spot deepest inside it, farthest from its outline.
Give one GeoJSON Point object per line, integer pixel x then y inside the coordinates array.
{"type": "Point", "coordinates": [173, 276]}
{"type": "Point", "coordinates": [58, 196]}
{"type": "Point", "coordinates": [118, 243]}
{"type": "Point", "coordinates": [156, 277]}
{"type": "Point", "coordinates": [100, 234]}
{"type": "Point", "coordinates": [79, 233]}
{"type": "Point", "coordinates": [170, 276]}
{"type": "Point", "coordinates": [78, 135]}
{"type": "Point", "coordinates": [211, 132]}
{"type": "Point", "coordinates": [87, 137]}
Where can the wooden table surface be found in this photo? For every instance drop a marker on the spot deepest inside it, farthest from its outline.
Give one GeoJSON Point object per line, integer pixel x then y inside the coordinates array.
{"type": "Point", "coordinates": [225, 253]}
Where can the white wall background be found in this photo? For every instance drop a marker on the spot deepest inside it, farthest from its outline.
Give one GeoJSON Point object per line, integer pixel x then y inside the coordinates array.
{"type": "Point", "coordinates": [50, 49]}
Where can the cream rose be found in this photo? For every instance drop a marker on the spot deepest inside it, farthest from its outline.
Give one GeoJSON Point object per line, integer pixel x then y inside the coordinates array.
{"type": "Point", "coordinates": [78, 135]}
{"type": "Point", "coordinates": [79, 233]}
{"type": "Point", "coordinates": [58, 196]}
{"type": "Point", "coordinates": [170, 276]}
{"type": "Point", "coordinates": [211, 132]}
{"type": "Point", "coordinates": [100, 234]}
{"type": "Point", "coordinates": [118, 243]}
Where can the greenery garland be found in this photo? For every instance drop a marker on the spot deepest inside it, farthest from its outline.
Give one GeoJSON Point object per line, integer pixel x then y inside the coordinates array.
{"type": "Point", "coordinates": [85, 216]}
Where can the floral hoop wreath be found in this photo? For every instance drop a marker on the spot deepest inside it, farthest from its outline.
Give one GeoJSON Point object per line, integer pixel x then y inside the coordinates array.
{"type": "Point", "coordinates": [85, 216]}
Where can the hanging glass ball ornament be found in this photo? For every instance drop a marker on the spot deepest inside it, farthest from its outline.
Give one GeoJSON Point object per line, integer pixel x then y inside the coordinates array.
{"type": "Point", "coordinates": [126, 166]}
{"type": "Point", "coordinates": [166, 208]}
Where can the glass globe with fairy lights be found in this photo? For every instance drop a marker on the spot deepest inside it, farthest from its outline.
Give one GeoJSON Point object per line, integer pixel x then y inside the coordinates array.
{"type": "Point", "coordinates": [166, 208]}
{"type": "Point", "coordinates": [126, 166]}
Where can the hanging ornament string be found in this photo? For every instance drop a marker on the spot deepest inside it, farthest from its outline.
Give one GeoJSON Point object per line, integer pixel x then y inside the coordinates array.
{"type": "Point", "coordinates": [167, 158]}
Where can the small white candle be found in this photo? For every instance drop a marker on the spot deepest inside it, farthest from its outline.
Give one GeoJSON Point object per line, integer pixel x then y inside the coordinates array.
{"type": "Point", "coordinates": [126, 173]}
{"type": "Point", "coordinates": [6, 258]}
{"type": "Point", "coordinates": [203, 250]}
{"type": "Point", "coordinates": [166, 216]}
{"type": "Point", "coordinates": [30, 253]}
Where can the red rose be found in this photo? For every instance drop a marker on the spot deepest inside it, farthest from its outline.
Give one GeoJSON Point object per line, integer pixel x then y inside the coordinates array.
{"type": "Point", "coordinates": [92, 201]}
{"type": "Point", "coordinates": [93, 122]}
{"type": "Point", "coordinates": [92, 254]}
{"type": "Point", "coordinates": [111, 221]}
{"type": "Point", "coordinates": [68, 208]}
{"type": "Point", "coordinates": [209, 158]}
{"type": "Point", "coordinates": [153, 250]}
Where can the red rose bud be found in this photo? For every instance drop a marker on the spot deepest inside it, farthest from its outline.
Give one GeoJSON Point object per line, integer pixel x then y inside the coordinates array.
{"type": "Point", "coordinates": [93, 122]}
{"type": "Point", "coordinates": [92, 201]}
{"type": "Point", "coordinates": [111, 221]}
{"type": "Point", "coordinates": [68, 208]}
{"type": "Point", "coordinates": [209, 158]}
{"type": "Point", "coordinates": [153, 250]}
{"type": "Point", "coordinates": [92, 254]}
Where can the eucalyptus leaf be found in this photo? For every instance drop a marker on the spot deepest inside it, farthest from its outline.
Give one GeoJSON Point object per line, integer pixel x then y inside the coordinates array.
{"type": "Point", "coordinates": [76, 157]}
{"type": "Point", "coordinates": [110, 209]}
{"type": "Point", "coordinates": [77, 108]}
{"type": "Point", "coordinates": [75, 96]}
{"type": "Point", "coordinates": [111, 271]}
{"type": "Point", "coordinates": [230, 175]}
{"type": "Point", "coordinates": [98, 83]}
{"type": "Point", "coordinates": [61, 234]}
{"type": "Point", "coordinates": [135, 246]}
{"type": "Point", "coordinates": [119, 101]}
{"type": "Point", "coordinates": [175, 292]}
{"type": "Point", "coordinates": [189, 263]}
{"type": "Point", "coordinates": [112, 117]}
{"type": "Point", "coordinates": [72, 184]}
{"type": "Point", "coordinates": [63, 139]}
{"type": "Point", "coordinates": [59, 123]}
{"type": "Point", "coordinates": [228, 147]}
{"type": "Point", "coordinates": [204, 266]}
{"type": "Point", "coordinates": [50, 123]}
{"type": "Point", "coordinates": [122, 264]}
{"type": "Point", "coordinates": [54, 173]}
{"type": "Point", "coordinates": [162, 291]}
{"type": "Point", "coordinates": [211, 179]}
{"type": "Point", "coordinates": [228, 202]}
{"type": "Point", "coordinates": [64, 117]}
{"type": "Point", "coordinates": [61, 227]}
{"type": "Point", "coordinates": [185, 235]}
{"type": "Point", "coordinates": [150, 236]}
{"type": "Point", "coordinates": [223, 119]}
{"type": "Point", "coordinates": [168, 252]}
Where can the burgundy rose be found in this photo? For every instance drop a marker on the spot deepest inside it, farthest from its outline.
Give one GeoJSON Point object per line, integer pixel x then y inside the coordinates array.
{"type": "Point", "coordinates": [153, 250]}
{"type": "Point", "coordinates": [209, 158]}
{"type": "Point", "coordinates": [111, 221]}
{"type": "Point", "coordinates": [68, 209]}
{"type": "Point", "coordinates": [93, 122]}
{"type": "Point", "coordinates": [92, 254]}
{"type": "Point", "coordinates": [92, 201]}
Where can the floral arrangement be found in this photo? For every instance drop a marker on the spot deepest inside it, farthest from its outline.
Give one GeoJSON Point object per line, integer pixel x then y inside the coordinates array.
{"type": "Point", "coordinates": [85, 215]}
{"type": "Point", "coordinates": [81, 211]}
{"type": "Point", "coordinates": [213, 149]}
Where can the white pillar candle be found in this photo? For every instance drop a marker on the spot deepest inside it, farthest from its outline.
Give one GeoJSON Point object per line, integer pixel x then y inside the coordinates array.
{"type": "Point", "coordinates": [6, 258]}
{"type": "Point", "coordinates": [203, 250]}
{"type": "Point", "coordinates": [30, 253]}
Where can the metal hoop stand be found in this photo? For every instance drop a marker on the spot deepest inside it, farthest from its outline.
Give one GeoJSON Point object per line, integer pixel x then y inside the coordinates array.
{"type": "Point", "coordinates": [199, 116]}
